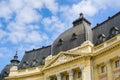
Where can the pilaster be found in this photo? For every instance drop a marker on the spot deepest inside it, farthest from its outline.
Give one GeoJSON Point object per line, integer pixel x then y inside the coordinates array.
{"type": "Point", "coordinates": [96, 72]}
{"type": "Point", "coordinates": [86, 71]}
{"type": "Point", "coordinates": [109, 70]}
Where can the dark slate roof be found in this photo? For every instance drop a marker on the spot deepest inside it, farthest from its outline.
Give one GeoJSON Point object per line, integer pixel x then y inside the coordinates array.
{"type": "Point", "coordinates": [106, 29]}
{"type": "Point", "coordinates": [0, 77]}
{"type": "Point", "coordinates": [73, 37]}
{"type": "Point", "coordinates": [5, 72]}
{"type": "Point", "coordinates": [35, 57]}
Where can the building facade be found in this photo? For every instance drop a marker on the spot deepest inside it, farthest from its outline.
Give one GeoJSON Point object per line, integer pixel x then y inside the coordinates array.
{"type": "Point", "coordinates": [79, 53]}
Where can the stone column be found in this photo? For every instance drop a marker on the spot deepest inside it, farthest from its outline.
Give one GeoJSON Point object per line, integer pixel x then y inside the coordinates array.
{"type": "Point", "coordinates": [70, 72]}
{"type": "Point", "coordinates": [82, 72]}
{"type": "Point", "coordinates": [59, 76]}
{"type": "Point", "coordinates": [109, 70]}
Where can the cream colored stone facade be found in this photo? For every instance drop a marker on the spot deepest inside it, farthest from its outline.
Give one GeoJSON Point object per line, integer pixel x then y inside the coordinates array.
{"type": "Point", "coordinates": [86, 62]}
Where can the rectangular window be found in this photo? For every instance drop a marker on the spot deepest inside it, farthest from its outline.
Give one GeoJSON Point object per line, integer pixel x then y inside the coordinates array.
{"type": "Point", "coordinates": [103, 69]}
{"type": "Point", "coordinates": [117, 63]}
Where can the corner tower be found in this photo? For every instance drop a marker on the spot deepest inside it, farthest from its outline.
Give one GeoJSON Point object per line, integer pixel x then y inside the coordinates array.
{"type": "Point", "coordinates": [73, 37]}
{"type": "Point", "coordinates": [5, 72]}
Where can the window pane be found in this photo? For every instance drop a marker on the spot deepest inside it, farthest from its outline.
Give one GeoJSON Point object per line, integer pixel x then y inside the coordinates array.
{"type": "Point", "coordinates": [103, 69]}
{"type": "Point", "coordinates": [117, 63]}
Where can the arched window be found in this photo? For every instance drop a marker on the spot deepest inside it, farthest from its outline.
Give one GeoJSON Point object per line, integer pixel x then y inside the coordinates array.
{"type": "Point", "coordinates": [114, 31]}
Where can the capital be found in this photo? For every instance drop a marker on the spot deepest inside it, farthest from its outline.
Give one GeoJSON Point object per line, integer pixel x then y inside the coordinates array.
{"type": "Point", "coordinates": [70, 72]}
{"type": "Point", "coordinates": [81, 67]}
{"type": "Point", "coordinates": [58, 75]}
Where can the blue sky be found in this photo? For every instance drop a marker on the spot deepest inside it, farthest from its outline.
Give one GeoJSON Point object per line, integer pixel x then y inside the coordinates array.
{"type": "Point", "coordinates": [28, 24]}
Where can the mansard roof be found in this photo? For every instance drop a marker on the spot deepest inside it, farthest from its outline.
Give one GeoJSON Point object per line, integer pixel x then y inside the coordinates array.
{"type": "Point", "coordinates": [73, 37]}
{"type": "Point", "coordinates": [35, 57]}
{"type": "Point", "coordinates": [109, 28]}
{"type": "Point", "coordinates": [5, 72]}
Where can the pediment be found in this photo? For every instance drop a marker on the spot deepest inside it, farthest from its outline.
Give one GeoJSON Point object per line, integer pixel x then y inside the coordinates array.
{"type": "Point", "coordinates": [62, 57]}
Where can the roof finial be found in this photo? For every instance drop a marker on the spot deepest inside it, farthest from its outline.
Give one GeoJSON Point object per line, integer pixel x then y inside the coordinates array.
{"type": "Point", "coordinates": [81, 15]}
{"type": "Point", "coordinates": [16, 56]}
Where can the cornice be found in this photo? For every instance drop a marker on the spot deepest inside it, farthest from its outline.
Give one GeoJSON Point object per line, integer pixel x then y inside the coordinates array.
{"type": "Point", "coordinates": [107, 46]}
{"type": "Point", "coordinates": [39, 72]}
{"type": "Point", "coordinates": [24, 75]}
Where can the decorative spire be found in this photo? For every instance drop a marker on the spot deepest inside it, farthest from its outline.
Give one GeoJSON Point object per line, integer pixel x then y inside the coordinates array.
{"type": "Point", "coordinates": [16, 56]}
{"type": "Point", "coordinates": [15, 60]}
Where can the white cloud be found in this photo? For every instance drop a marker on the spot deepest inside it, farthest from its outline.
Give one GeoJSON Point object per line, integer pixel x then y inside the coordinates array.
{"type": "Point", "coordinates": [29, 34]}
{"type": "Point", "coordinates": [34, 3]}
{"type": "Point", "coordinates": [24, 26]}
{"type": "Point", "coordinates": [36, 37]}
{"type": "Point", "coordinates": [53, 24]}
{"type": "Point", "coordinates": [106, 4]}
{"type": "Point", "coordinates": [5, 52]}
{"type": "Point", "coordinates": [87, 7]}
{"type": "Point", "coordinates": [52, 5]}
{"type": "Point", "coordinates": [27, 15]}
{"type": "Point", "coordinates": [16, 5]}
{"type": "Point", "coordinates": [15, 26]}
{"type": "Point", "coordinates": [16, 37]}
{"type": "Point", "coordinates": [5, 11]}
{"type": "Point", "coordinates": [2, 34]}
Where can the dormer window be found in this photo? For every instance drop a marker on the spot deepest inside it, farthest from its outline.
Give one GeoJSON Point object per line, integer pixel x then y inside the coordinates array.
{"type": "Point", "coordinates": [101, 38]}
{"type": "Point", "coordinates": [25, 64]}
{"type": "Point", "coordinates": [34, 62]}
{"type": "Point", "coordinates": [60, 42]}
{"type": "Point", "coordinates": [43, 61]}
{"type": "Point", "coordinates": [5, 74]}
{"type": "Point", "coordinates": [114, 31]}
{"type": "Point", "coordinates": [74, 36]}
